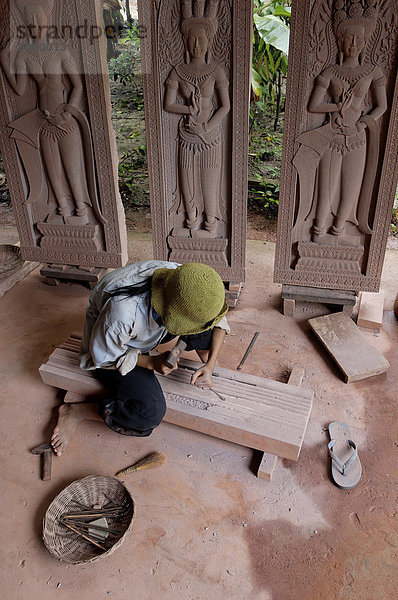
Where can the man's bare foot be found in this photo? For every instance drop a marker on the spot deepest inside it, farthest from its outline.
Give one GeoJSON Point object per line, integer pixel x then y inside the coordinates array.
{"type": "Point", "coordinates": [65, 428]}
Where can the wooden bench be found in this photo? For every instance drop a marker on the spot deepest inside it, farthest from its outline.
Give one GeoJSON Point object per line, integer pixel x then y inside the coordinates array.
{"type": "Point", "coordinates": [252, 411]}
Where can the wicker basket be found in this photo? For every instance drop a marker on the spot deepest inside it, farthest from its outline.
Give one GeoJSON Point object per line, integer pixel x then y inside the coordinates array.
{"type": "Point", "coordinates": [10, 259]}
{"type": "Point", "coordinates": [94, 491]}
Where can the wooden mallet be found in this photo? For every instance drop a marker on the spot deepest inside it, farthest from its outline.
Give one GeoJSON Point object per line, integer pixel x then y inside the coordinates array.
{"type": "Point", "coordinates": [46, 450]}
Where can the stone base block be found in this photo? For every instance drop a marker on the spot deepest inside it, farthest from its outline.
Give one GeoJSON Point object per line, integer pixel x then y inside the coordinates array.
{"type": "Point", "coordinates": [69, 238]}
{"type": "Point", "coordinates": [329, 260]}
{"type": "Point", "coordinates": [203, 250]}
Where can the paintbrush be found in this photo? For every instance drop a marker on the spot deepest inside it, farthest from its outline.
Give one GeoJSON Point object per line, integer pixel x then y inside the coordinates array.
{"type": "Point", "coordinates": [154, 459]}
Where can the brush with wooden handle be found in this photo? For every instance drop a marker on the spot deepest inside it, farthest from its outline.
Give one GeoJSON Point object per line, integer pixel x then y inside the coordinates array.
{"type": "Point", "coordinates": [154, 459]}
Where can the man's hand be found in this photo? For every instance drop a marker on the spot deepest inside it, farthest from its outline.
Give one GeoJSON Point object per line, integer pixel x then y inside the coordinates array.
{"type": "Point", "coordinates": [158, 364]}
{"type": "Point", "coordinates": [202, 377]}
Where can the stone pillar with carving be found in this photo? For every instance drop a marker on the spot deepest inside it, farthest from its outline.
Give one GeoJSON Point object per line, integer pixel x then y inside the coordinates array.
{"type": "Point", "coordinates": [196, 65]}
{"type": "Point", "coordinates": [56, 136]}
{"type": "Point", "coordinates": [340, 169]}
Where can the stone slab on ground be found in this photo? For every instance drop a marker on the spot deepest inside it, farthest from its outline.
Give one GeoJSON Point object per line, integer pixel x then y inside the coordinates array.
{"type": "Point", "coordinates": [348, 346]}
{"type": "Point", "coordinates": [62, 370]}
{"type": "Point", "coordinates": [244, 409]}
{"type": "Point", "coordinates": [291, 293]}
{"type": "Point", "coordinates": [371, 308]}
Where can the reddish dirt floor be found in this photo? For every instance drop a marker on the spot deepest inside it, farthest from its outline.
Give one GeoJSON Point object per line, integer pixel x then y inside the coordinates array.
{"type": "Point", "coordinates": [206, 527]}
{"type": "Point", "coordinates": [258, 227]}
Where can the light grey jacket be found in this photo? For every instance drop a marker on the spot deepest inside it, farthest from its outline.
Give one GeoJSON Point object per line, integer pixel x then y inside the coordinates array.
{"type": "Point", "coordinates": [118, 329]}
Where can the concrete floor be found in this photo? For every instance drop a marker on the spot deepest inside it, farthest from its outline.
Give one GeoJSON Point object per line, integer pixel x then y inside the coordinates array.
{"type": "Point", "coordinates": [206, 528]}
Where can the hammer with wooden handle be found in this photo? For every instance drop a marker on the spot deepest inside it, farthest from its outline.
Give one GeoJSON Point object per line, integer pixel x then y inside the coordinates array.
{"type": "Point", "coordinates": [174, 355]}
{"type": "Point", "coordinates": [46, 450]}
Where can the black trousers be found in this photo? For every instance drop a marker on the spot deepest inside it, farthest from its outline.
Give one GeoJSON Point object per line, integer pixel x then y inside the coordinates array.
{"type": "Point", "coordinates": [135, 402]}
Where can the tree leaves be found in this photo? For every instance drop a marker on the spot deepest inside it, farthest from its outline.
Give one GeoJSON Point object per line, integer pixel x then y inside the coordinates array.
{"type": "Point", "coordinates": [270, 49]}
{"type": "Point", "coordinates": [273, 31]}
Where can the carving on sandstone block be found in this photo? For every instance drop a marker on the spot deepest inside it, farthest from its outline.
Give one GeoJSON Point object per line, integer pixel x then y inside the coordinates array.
{"type": "Point", "coordinates": [338, 149]}
{"type": "Point", "coordinates": [208, 251]}
{"type": "Point", "coordinates": [193, 402]}
{"type": "Point", "coordinates": [196, 66]}
{"type": "Point", "coordinates": [54, 139]}
{"type": "Point", "coordinates": [337, 161]}
{"type": "Point", "coordinates": [41, 60]}
{"type": "Point", "coordinates": [197, 90]}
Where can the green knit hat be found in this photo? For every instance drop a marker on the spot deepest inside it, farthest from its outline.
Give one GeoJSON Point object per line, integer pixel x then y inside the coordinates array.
{"type": "Point", "coordinates": [189, 299]}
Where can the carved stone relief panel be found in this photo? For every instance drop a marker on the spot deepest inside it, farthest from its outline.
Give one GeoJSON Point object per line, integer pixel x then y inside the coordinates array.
{"type": "Point", "coordinates": [196, 71]}
{"type": "Point", "coordinates": [340, 170]}
{"type": "Point", "coordinates": [56, 137]}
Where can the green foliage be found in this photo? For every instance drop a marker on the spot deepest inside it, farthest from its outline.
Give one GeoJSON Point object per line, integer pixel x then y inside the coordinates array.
{"type": "Point", "coordinates": [133, 176]}
{"type": "Point", "coordinates": [130, 163]}
{"type": "Point", "coordinates": [267, 146]}
{"type": "Point", "coordinates": [265, 156]}
{"type": "Point", "coordinates": [125, 67]}
{"type": "Point", "coordinates": [3, 178]}
{"type": "Point", "coordinates": [264, 196]}
{"type": "Point", "coordinates": [394, 220]}
{"type": "Point", "coordinates": [273, 31]}
{"type": "Point", "coordinates": [270, 49]}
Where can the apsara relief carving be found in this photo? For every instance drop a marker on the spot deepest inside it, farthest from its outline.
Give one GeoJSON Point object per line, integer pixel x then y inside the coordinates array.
{"type": "Point", "coordinates": [337, 152]}
{"type": "Point", "coordinates": [203, 86]}
{"type": "Point", "coordinates": [55, 161]}
{"type": "Point", "coordinates": [193, 90]}
{"type": "Point", "coordinates": [337, 161]}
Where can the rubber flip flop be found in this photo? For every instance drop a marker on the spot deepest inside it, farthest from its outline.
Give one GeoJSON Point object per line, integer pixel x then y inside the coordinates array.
{"type": "Point", "coordinates": [346, 466]}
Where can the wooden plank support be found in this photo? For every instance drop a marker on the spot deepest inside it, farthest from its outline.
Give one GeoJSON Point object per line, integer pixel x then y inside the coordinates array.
{"type": "Point", "coordinates": [244, 409]}
{"type": "Point", "coordinates": [232, 293]}
{"type": "Point", "coordinates": [54, 274]}
{"type": "Point", "coordinates": [348, 346]}
{"type": "Point", "coordinates": [296, 376]}
{"type": "Point", "coordinates": [292, 293]}
{"type": "Point", "coordinates": [299, 292]}
{"type": "Point", "coordinates": [267, 466]}
{"type": "Point", "coordinates": [371, 307]}
{"type": "Point", "coordinates": [269, 461]}
{"type": "Point", "coordinates": [289, 306]}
